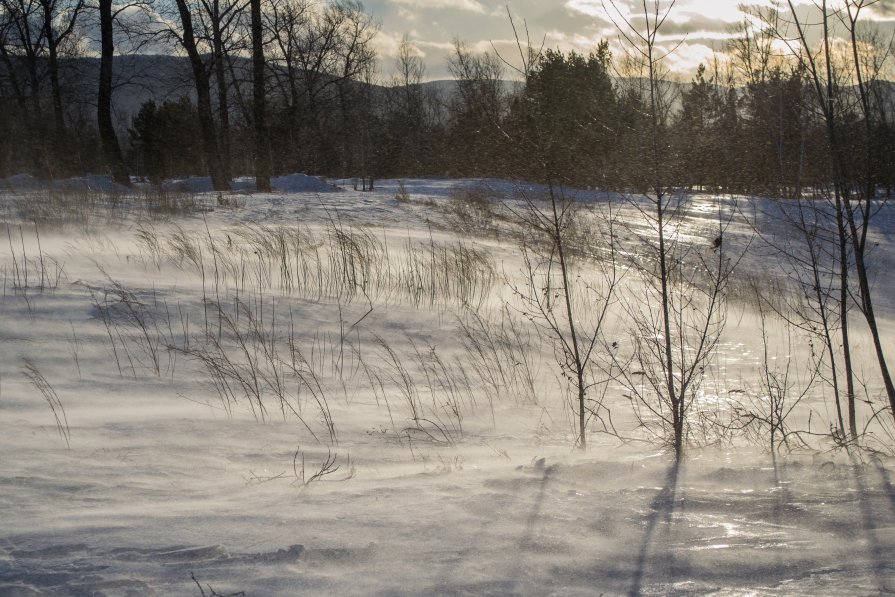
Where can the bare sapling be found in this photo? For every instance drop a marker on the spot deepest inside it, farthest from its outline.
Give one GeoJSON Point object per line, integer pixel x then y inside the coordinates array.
{"type": "Point", "coordinates": [854, 204]}
{"type": "Point", "coordinates": [570, 300]}
{"type": "Point", "coordinates": [810, 258]}
{"type": "Point", "coordinates": [677, 318]}
{"type": "Point", "coordinates": [784, 383]}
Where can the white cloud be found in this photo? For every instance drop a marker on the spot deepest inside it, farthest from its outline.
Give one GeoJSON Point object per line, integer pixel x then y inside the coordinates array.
{"type": "Point", "coordinates": [406, 14]}
{"type": "Point", "coordinates": [580, 42]}
{"type": "Point", "coordinates": [467, 5]}
{"type": "Point", "coordinates": [386, 43]}
{"type": "Point", "coordinates": [687, 57]}
{"type": "Point", "coordinates": [720, 12]}
{"type": "Point", "coordinates": [591, 8]}
{"type": "Point", "coordinates": [440, 46]}
{"type": "Point", "coordinates": [701, 27]}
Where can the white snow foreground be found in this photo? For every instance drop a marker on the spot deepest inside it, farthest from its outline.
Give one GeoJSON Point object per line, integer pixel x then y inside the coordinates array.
{"type": "Point", "coordinates": [292, 397]}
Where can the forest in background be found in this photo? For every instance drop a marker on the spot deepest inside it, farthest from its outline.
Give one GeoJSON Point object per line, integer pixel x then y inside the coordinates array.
{"type": "Point", "coordinates": [319, 103]}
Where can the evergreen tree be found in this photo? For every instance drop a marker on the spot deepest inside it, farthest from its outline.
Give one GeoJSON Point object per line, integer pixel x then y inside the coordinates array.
{"type": "Point", "coordinates": [566, 117]}
{"type": "Point", "coordinates": [694, 132]}
{"type": "Point", "coordinates": [166, 140]}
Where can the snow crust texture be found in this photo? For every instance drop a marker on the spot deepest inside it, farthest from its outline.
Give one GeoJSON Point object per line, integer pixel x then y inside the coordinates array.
{"type": "Point", "coordinates": [288, 394]}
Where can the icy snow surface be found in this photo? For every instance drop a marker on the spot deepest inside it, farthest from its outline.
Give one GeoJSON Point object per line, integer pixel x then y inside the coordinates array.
{"type": "Point", "coordinates": [439, 483]}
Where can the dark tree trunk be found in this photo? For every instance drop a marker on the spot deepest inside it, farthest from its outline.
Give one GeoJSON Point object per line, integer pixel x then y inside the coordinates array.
{"type": "Point", "coordinates": [53, 67]}
{"type": "Point", "coordinates": [223, 101]}
{"type": "Point", "coordinates": [43, 146]}
{"type": "Point", "coordinates": [262, 147]}
{"type": "Point", "coordinates": [203, 102]}
{"type": "Point", "coordinates": [111, 150]}
{"type": "Point", "coordinates": [57, 136]}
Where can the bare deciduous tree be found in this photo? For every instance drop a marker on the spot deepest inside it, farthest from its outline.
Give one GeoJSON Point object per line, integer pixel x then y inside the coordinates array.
{"type": "Point", "coordinates": [571, 301]}
{"type": "Point", "coordinates": [475, 110]}
{"type": "Point", "coordinates": [110, 148]}
{"type": "Point", "coordinates": [324, 49]}
{"type": "Point", "coordinates": [677, 323]}
{"type": "Point", "coordinates": [853, 208]}
{"type": "Point", "coordinates": [187, 38]}
{"type": "Point", "coordinates": [259, 101]}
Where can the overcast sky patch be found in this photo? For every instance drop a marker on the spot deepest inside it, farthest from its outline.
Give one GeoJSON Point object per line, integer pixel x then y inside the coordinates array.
{"type": "Point", "coordinates": [700, 28]}
{"type": "Point", "coordinates": [463, 5]}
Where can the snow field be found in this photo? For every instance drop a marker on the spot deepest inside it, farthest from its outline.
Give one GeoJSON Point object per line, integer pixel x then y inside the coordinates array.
{"type": "Point", "coordinates": [206, 367]}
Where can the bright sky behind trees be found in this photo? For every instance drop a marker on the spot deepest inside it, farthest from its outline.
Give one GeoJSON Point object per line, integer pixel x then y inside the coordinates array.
{"type": "Point", "coordinates": [698, 28]}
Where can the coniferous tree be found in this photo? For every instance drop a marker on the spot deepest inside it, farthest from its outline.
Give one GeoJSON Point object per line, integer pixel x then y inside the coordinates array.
{"type": "Point", "coordinates": [165, 140]}
{"type": "Point", "coordinates": [775, 133]}
{"type": "Point", "coordinates": [694, 130]}
{"type": "Point", "coordinates": [567, 109]}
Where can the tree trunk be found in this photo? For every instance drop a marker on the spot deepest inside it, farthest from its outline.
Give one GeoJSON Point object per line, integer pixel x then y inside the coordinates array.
{"type": "Point", "coordinates": [42, 147]}
{"type": "Point", "coordinates": [203, 102]}
{"type": "Point", "coordinates": [262, 147]}
{"type": "Point", "coordinates": [53, 67]}
{"type": "Point", "coordinates": [223, 103]}
{"type": "Point", "coordinates": [836, 150]}
{"type": "Point", "coordinates": [111, 150]}
{"type": "Point", "coordinates": [57, 139]}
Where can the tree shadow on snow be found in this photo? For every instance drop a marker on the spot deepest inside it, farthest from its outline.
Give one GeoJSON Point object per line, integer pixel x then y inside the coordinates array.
{"type": "Point", "coordinates": [513, 581]}
{"type": "Point", "coordinates": [527, 543]}
{"type": "Point", "coordinates": [534, 514]}
{"type": "Point", "coordinates": [661, 510]}
{"type": "Point", "coordinates": [888, 487]}
{"type": "Point", "coordinates": [878, 555]}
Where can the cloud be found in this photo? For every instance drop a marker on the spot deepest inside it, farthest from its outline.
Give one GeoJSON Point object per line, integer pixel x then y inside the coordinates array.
{"type": "Point", "coordinates": [688, 56]}
{"type": "Point", "coordinates": [466, 5]}
{"type": "Point", "coordinates": [884, 9]}
{"type": "Point", "coordinates": [591, 8]}
{"type": "Point", "coordinates": [718, 13]}
{"type": "Point", "coordinates": [683, 17]}
{"type": "Point", "coordinates": [406, 14]}
{"type": "Point", "coordinates": [580, 42]}
{"type": "Point", "coordinates": [386, 44]}
{"type": "Point", "coordinates": [699, 28]}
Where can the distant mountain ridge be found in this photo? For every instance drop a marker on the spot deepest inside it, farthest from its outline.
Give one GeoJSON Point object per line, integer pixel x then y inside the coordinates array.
{"type": "Point", "coordinates": [139, 78]}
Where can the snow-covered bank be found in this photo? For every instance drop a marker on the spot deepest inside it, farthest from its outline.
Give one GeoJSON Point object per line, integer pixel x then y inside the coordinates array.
{"type": "Point", "coordinates": [325, 394]}
{"type": "Point", "coordinates": [143, 517]}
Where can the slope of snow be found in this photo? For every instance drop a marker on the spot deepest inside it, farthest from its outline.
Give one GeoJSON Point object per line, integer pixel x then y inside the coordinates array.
{"type": "Point", "coordinates": [127, 470]}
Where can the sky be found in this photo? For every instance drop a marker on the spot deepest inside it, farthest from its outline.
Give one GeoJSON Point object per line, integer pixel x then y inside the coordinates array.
{"type": "Point", "coordinates": [697, 28]}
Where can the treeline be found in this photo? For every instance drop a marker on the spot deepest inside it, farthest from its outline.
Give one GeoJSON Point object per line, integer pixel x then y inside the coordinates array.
{"type": "Point", "coordinates": [292, 85]}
